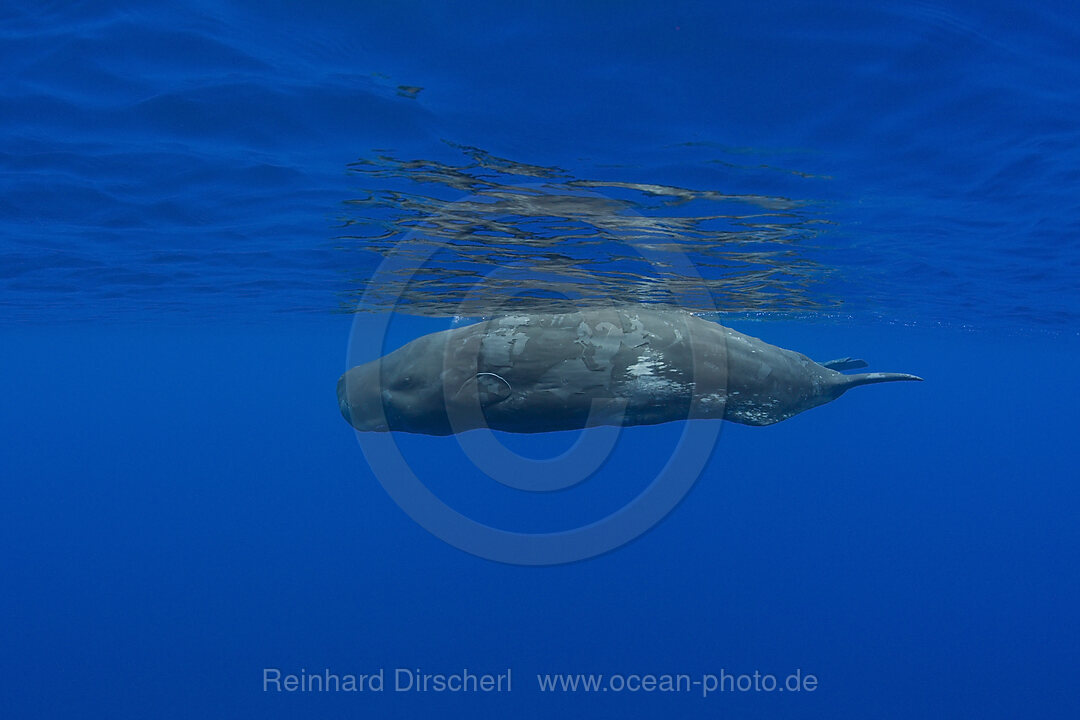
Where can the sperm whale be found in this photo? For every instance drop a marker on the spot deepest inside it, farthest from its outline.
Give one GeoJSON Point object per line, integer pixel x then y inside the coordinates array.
{"type": "Point", "coordinates": [530, 373]}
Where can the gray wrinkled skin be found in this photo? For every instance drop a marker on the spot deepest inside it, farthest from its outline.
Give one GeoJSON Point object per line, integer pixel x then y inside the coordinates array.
{"type": "Point", "coordinates": [545, 372]}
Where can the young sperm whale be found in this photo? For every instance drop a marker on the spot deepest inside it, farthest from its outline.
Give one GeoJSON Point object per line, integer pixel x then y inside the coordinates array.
{"type": "Point", "coordinates": [530, 373]}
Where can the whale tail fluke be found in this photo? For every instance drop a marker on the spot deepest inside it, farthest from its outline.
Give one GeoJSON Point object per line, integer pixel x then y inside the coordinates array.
{"type": "Point", "coordinates": [849, 381]}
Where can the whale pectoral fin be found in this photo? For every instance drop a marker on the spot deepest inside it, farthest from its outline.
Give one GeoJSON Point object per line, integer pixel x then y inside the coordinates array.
{"type": "Point", "coordinates": [845, 364]}
{"type": "Point", "coordinates": [488, 387]}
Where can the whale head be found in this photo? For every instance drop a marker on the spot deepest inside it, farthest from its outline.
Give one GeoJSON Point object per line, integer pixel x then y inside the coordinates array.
{"type": "Point", "coordinates": [401, 391]}
{"type": "Point", "coordinates": [359, 399]}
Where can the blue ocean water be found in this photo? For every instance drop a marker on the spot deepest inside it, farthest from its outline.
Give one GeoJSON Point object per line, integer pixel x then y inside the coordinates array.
{"type": "Point", "coordinates": [195, 204]}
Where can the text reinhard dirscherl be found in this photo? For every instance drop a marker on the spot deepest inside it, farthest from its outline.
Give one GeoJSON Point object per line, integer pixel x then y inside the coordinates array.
{"type": "Point", "coordinates": [406, 680]}
{"type": "Point", "coordinates": [400, 680]}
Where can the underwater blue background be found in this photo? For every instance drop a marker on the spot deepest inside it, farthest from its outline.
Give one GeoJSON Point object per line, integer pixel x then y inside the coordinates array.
{"type": "Point", "coordinates": [182, 506]}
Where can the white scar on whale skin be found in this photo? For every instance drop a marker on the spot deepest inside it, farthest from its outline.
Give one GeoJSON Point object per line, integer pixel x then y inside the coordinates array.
{"type": "Point", "coordinates": [648, 375]}
{"type": "Point", "coordinates": [644, 366]}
